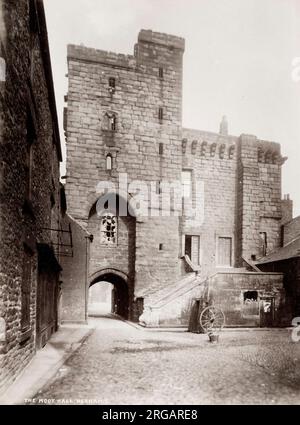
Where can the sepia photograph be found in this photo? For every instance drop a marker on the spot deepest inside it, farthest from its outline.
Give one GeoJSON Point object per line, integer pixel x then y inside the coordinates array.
{"type": "Point", "coordinates": [149, 206]}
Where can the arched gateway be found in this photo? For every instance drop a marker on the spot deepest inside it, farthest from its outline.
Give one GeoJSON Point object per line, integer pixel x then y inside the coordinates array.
{"type": "Point", "coordinates": [120, 294]}
{"type": "Point", "coordinates": [112, 253]}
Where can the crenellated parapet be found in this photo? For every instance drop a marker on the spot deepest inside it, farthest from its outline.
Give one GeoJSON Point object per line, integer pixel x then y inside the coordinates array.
{"type": "Point", "coordinates": [208, 149]}
{"type": "Point", "coordinates": [158, 38]}
{"type": "Point", "coordinates": [209, 145]}
{"type": "Point", "coordinates": [269, 153]}
{"type": "Point", "coordinates": [91, 55]}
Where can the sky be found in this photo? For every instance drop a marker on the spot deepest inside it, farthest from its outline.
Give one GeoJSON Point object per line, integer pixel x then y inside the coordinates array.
{"type": "Point", "coordinates": [241, 60]}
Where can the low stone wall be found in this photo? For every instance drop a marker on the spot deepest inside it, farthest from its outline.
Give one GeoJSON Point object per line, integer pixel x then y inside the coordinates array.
{"type": "Point", "coordinates": [229, 291]}
{"type": "Point", "coordinates": [247, 300]}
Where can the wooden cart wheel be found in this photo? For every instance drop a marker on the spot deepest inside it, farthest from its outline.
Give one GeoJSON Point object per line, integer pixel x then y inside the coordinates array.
{"type": "Point", "coordinates": [212, 319]}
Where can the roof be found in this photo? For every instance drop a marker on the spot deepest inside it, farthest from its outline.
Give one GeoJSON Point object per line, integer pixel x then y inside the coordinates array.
{"type": "Point", "coordinates": [291, 250]}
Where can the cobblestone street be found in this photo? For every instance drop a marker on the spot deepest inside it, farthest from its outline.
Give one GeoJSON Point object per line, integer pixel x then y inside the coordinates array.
{"type": "Point", "coordinates": [122, 364]}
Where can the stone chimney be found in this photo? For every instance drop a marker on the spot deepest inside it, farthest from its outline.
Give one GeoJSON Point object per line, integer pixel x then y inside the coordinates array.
{"type": "Point", "coordinates": [287, 209]}
{"type": "Point", "coordinates": [224, 126]}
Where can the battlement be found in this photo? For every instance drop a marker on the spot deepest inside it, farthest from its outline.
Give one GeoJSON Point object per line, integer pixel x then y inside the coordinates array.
{"type": "Point", "coordinates": [148, 36]}
{"type": "Point", "coordinates": [268, 145]}
{"type": "Point", "coordinates": [89, 54]}
{"type": "Point", "coordinates": [211, 136]}
{"type": "Point", "coordinates": [100, 56]}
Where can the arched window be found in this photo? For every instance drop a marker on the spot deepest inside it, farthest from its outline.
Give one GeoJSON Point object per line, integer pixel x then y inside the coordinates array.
{"type": "Point", "coordinates": [110, 122]}
{"type": "Point", "coordinates": [109, 227]}
{"type": "Point", "coordinates": [108, 162]}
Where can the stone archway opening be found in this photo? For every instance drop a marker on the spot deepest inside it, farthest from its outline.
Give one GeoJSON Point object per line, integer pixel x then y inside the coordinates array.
{"type": "Point", "coordinates": [109, 293]}
{"type": "Point", "coordinates": [100, 299]}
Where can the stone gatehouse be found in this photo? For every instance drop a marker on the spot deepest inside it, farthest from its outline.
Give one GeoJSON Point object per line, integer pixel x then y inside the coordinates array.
{"type": "Point", "coordinates": [124, 116]}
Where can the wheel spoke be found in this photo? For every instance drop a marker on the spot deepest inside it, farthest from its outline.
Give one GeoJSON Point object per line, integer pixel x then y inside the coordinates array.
{"type": "Point", "coordinates": [212, 318]}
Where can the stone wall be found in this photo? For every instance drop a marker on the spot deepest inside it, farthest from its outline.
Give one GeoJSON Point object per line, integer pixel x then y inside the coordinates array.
{"type": "Point", "coordinates": [242, 193]}
{"type": "Point", "coordinates": [227, 292]}
{"type": "Point", "coordinates": [75, 272]}
{"type": "Point", "coordinates": [259, 196]}
{"type": "Point", "coordinates": [24, 97]}
{"type": "Point", "coordinates": [117, 256]}
{"type": "Point", "coordinates": [213, 160]}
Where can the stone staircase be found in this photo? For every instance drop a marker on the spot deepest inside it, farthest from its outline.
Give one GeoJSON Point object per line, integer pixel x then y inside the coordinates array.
{"type": "Point", "coordinates": [163, 295]}
{"type": "Point", "coordinates": [177, 293]}
{"type": "Point", "coordinates": [172, 305]}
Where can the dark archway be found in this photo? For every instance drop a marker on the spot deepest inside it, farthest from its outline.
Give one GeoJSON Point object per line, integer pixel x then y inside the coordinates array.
{"type": "Point", "coordinates": [113, 248]}
{"type": "Point", "coordinates": [120, 292]}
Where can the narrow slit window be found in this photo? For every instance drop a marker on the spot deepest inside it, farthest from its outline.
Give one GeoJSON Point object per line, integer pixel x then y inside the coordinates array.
{"type": "Point", "coordinates": [161, 149]}
{"type": "Point", "coordinates": [112, 82]}
{"type": "Point", "coordinates": [161, 72]}
{"type": "Point", "coordinates": [158, 188]}
{"type": "Point", "coordinates": [113, 123]}
{"type": "Point", "coordinates": [264, 243]}
{"type": "Point", "coordinates": [108, 162]}
{"type": "Point", "coordinates": [160, 114]}
{"type": "Point", "coordinates": [186, 182]}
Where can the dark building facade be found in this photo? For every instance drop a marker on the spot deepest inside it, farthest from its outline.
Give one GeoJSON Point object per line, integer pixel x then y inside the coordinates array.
{"type": "Point", "coordinates": [124, 116]}
{"type": "Point", "coordinates": [286, 260]}
{"type": "Point", "coordinates": [30, 191]}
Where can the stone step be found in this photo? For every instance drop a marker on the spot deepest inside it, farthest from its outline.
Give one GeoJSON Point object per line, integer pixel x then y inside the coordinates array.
{"type": "Point", "coordinates": [163, 293]}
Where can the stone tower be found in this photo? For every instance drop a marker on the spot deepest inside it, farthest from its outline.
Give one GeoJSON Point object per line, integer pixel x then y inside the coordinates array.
{"type": "Point", "coordinates": [124, 116]}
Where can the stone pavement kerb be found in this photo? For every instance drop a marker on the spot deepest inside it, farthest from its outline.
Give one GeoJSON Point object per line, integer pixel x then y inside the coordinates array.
{"type": "Point", "coordinates": [46, 363]}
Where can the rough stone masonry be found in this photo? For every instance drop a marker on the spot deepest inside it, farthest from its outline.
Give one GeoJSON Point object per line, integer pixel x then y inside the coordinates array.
{"type": "Point", "coordinates": [29, 187]}
{"type": "Point", "coordinates": [124, 115]}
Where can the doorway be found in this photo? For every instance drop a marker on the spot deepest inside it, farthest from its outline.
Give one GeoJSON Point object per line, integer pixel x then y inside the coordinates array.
{"type": "Point", "coordinates": [108, 294]}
